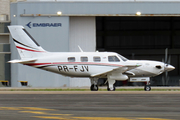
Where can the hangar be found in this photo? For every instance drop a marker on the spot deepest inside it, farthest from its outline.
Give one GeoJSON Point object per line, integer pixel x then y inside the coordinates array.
{"type": "Point", "coordinates": [134, 29]}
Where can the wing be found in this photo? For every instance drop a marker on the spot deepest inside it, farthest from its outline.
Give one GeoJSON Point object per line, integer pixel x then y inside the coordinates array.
{"type": "Point", "coordinates": [120, 69]}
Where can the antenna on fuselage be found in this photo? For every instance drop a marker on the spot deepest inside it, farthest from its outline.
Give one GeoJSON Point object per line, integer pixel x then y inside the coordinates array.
{"type": "Point", "coordinates": [80, 48]}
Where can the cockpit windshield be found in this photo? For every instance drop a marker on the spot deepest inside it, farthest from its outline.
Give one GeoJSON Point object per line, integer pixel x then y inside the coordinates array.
{"type": "Point", "coordinates": [123, 58]}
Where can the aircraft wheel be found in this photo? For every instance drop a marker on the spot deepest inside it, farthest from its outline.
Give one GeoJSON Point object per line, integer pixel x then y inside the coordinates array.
{"type": "Point", "coordinates": [114, 88]}
{"type": "Point", "coordinates": [147, 88]}
{"type": "Point", "coordinates": [94, 87]}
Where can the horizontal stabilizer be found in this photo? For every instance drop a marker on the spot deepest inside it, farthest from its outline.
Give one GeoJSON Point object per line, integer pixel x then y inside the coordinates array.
{"type": "Point", "coordinates": [22, 61]}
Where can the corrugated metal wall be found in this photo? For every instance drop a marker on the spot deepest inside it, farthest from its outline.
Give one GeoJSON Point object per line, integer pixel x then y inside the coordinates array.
{"type": "Point", "coordinates": [82, 33]}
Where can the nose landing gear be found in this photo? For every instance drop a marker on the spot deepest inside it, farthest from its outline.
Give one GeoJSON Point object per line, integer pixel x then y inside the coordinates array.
{"type": "Point", "coordinates": [147, 87]}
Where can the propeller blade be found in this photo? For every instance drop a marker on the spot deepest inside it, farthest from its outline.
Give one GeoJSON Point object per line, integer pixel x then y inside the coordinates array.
{"type": "Point", "coordinates": [166, 77]}
{"type": "Point", "coordinates": [166, 55]}
{"type": "Point", "coordinates": [163, 60]}
{"type": "Point", "coordinates": [163, 80]}
{"type": "Point", "coordinates": [169, 59]}
{"type": "Point", "coordinates": [167, 80]}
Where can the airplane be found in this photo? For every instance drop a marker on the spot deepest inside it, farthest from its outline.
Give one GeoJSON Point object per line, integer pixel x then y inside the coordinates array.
{"type": "Point", "coordinates": [94, 65]}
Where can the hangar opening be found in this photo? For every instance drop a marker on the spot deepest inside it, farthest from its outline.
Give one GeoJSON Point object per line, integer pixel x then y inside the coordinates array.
{"type": "Point", "coordinates": [142, 38]}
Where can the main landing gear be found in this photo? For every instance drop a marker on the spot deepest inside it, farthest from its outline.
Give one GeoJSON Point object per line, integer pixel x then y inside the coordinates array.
{"type": "Point", "coordinates": [111, 89]}
{"type": "Point", "coordinates": [94, 86]}
{"type": "Point", "coordinates": [110, 85]}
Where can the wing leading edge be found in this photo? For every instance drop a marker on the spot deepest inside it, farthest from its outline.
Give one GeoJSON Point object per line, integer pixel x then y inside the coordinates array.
{"type": "Point", "coordinates": [129, 67]}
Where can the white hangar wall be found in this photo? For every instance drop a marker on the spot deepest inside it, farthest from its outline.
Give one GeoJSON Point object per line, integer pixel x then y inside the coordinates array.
{"type": "Point", "coordinates": [82, 32]}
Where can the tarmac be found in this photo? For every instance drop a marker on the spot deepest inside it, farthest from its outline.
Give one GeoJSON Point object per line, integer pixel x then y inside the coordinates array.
{"type": "Point", "coordinates": [89, 105]}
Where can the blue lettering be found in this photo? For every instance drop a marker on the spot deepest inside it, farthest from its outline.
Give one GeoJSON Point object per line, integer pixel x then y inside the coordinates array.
{"type": "Point", "coordinates": [47, 24]}
{"type": "Point", "coordinates": [51, 25]}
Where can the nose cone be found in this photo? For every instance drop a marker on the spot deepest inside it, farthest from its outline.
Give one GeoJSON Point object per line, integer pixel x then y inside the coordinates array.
{"type": "Point", "coordinates": [169, 67]}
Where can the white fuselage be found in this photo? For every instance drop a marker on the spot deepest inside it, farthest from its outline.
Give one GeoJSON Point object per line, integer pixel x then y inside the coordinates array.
{"type": "Point", "coordinates": [90, 64]}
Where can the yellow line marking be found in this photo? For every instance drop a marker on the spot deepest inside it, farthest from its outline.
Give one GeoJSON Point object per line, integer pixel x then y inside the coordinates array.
{"type": "Point", "coordinates": [153, 119]}
{"type": "Point", "coordinates": [9, 108]}
{"type": "Point", "coordinates": [49, 117]}
{"type": "Point", "coordinates": [101, 118]}
{"type": "Point", "coordinates": [63, 116]}
{"type": "Point", "coordinates": [35, 112]}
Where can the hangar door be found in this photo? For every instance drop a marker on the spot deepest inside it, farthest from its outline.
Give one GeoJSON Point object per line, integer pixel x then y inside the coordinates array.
{"type": "Point", "coordinates": [142, 38]}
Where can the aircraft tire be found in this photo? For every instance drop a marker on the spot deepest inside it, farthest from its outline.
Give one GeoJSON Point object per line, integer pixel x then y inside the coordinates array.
{"type": "Point", "coordinates": [147, 88]}
{"type": "Point", "coordinates": [114, 88]}
{"type": "Point", "coordinates": [94, 87]}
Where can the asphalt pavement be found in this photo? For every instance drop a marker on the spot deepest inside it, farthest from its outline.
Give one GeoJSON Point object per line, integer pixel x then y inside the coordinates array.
{"type": "Point", "coordinates": [87, 105]}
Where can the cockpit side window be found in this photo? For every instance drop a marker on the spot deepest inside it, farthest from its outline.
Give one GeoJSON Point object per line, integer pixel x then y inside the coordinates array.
{"type": "Point", "coordinates": [113, 59]}
{"type": "Point", "coordinates": [84, 59]}
{"type": "Point", "coordinates": [71, 59]}
{"type": "Point", "coordinates": [123, 58]}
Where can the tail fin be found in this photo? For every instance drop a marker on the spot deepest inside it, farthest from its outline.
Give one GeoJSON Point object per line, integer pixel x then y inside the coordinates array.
{"type": "Point", "coordinates": [26, 45]}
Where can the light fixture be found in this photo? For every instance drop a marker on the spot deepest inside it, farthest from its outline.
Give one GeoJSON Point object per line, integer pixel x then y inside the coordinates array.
{"type": "Point", "coordinates": [59, 13]}
{"type": "Point", "coordinates": [14, 15]}
{"type": "Point", "coordinates": [138, 13]}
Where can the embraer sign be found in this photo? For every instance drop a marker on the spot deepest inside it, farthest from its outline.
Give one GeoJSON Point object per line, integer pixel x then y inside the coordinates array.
{"type": "Point", "coordinates": [30, 25]}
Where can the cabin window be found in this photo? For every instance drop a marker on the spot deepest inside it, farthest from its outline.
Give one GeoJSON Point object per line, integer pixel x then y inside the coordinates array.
{"type": "Point", "coordinates": [71, 59]}
{"type": "Point", "coordinates": [97, 59]}
{"type": "Point", "coordinates": [113, 59]}
{"type": "Point", "coordinates": [84, 59]}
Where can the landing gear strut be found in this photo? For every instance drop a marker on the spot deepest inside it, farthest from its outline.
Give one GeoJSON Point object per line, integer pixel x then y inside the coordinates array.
{"type": "Point", "coordinates": [94, 86]}
{"type": "Point", "coordinates": [111, 89]}
{"type": "Point", "coordinates": [110, 85]}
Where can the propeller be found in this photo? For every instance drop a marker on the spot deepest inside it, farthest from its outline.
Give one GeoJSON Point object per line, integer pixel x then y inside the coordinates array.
{"type": "Point", "coordinates": [165, 77]}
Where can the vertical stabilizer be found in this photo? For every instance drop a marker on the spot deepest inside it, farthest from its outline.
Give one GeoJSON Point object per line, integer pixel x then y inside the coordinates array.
{"type": "Point", "coordinates": [25, 43]}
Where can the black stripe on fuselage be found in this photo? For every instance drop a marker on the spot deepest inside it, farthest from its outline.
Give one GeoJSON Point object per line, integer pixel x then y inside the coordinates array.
{"type": "Point", "coordinates": [45, 66]}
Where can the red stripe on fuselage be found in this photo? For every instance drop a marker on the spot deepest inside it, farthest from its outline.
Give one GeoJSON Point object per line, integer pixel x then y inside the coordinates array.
{"type": "Point", "coordinates": [28, 49]}
{"type": "Point", "coordinates": [73, 63]}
